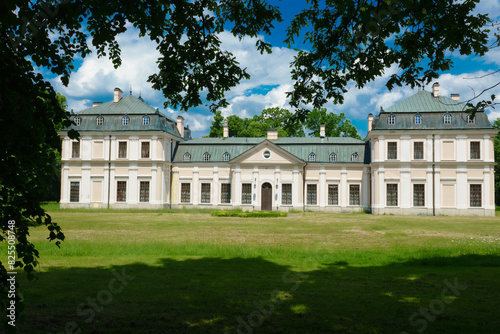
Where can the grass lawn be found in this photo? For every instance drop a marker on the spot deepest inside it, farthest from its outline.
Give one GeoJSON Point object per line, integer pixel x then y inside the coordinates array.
{"type": "Point", "coordinates": [190, 272]}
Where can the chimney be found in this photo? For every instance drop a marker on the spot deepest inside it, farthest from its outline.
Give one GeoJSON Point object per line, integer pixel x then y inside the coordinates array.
{"type": "Point", "coordinates": [180, 125]}
{"type": "Point", "coordinates": [226, 129]}
{"type": "Point", "coordinates": [272, 134]}
{"type": "Point", "coordinates": [455, 97]}
{"type": "Point", "coordinates": [118, 94]}
{"type": "Point", "coordinates": [322, 130]}
{"type": "Point", "coordinates": [435, 89]}
{"type": "Point", "coordinates": [95, 104]}
{"type": "Point", "coordinates": [370, 122]}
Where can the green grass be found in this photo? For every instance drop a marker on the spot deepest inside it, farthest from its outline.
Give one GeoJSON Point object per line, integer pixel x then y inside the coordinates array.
{"type": "Point", "coordinates": [306, 273]}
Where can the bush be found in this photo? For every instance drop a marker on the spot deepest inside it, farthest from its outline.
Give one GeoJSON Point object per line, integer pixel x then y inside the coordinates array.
{"type": "Point", "coordinates": [238, 213]}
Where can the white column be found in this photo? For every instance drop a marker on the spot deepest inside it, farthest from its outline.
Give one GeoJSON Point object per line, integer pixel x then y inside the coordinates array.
{"type": "Point", "coordinates": [344, 195]}
{"type": "Point", "coordinates": [65, 184]}
{"type": "Point", "coordinates": [381, 187]}
{"type": "Point", "coordinates": [154, 152]}
{"type": "Point", "coordinates": [322, 188]}
{"type": "Point", "coordinates": [195, 188]}
{"type": "Point", "coordinates": [215, 198]}
{"type": "Point", "coordinates": [486, 189]}
{"type": "Point", "coordinates": [133, 149]}
{"type": "Point", "coordinates": [295, 188]}
{"type": "Point", "coordinates": [428, 151]}
{"type": "Point", "coordinates": [486, 149]}
{"type": "Point", "coordinates": [462, 185]}
{"type": "Point", "coordinates": [133, 192]}
{"type": "Point", "coordinates": [437, 149]}
{"type": "Point", "coordinates": [437, 190]}
{"type": "Point", "coordinates": [405, 154]}
{"type": "Point", "coordinates": [381, 148]}
{"type": "Point", "coordinates": [154, 176]}
{"type": "Point", "coordinates": [86, 147]}
{"type": "Point", "coordinates": [256, 187]}
{"type": "Point", "coordinates": [406, 191]}
{"type": "Point", "coordinates": [237, 186]}
{"type": "Point", "coordinates": [85, 184]}
{"type": "Point", "coordinates": [428, 189]}
{"type": "Point", "coordinates": [365, 187]}
{"type": "Point", "coordinates": [277, 188]}
{"type": "Point", "coordinates": [112, 186]}
{"type": "Point", "coordinates": [176, 186]}
{"type": "Point", "coordinates": [462, 149]}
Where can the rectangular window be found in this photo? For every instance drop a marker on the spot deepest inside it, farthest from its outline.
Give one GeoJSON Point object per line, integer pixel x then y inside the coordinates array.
{"type": "Point", "coordinates": [392, 150]}
{"type": "Point", "coordinates": [286, 194]}
{"type": "Point", "coordinates": [392, 194]}
{"type": "Point", "coordinates": [205, 193]}
{"type": "Point", "coordinates": [246, 193]}
{"type": "Point", "coordinates": [333, 194]}
{"type": "Point", "coordinates": [312, 194]}
{"type": "Point", "coordinates": [354, 194]}
{"type": "Point", "coordinates": [74, 191]}
{"type": "Point", "coordinates": [419, 195]}
{"type": "Point", "coordinates": [475, 195]}
{"type": "Point", "coordinates": [122, 149]}
{"type": "Point", "coordinates": [144, 191]}
{"type": "Point", "coordinates": [75, 149]}
{"type": "Point", "coordinates": [225, 193]}
{"type": "Point", "coordinates": [145, 149]}
{"type": "Point", "coordinates": [475, 150]}
{"type": "Point", "coordinates": [418, 150]}
{"type": "Point", "coordinates": [185, 192]}
{"type": "Point", "coordinates": [121, 191]}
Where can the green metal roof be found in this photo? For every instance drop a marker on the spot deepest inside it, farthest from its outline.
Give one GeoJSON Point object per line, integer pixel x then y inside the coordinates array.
{"type": "Point", "coordinates": [299, 147]}
{"type": "Point", "coordinates": [127, 105]}
{"type": "Point", "coordinates": [424, 101]}
{"type": "Point", "coordinates": [133, 108]}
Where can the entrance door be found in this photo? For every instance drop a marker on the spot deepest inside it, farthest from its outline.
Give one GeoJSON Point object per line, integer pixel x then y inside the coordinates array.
{"type": "Point", "coordinates": [266, 202]}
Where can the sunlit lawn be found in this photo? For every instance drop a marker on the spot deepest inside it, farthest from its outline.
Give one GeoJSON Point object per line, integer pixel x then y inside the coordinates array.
{"type": "Point", "coordinates": [306, 273]}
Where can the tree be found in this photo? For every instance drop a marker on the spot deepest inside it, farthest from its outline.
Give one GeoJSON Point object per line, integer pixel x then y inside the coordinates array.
{"type": "Point", "coordinates": [51, 34]}
{"type": "Point", "coordinates": [335, 125]}
{"type": "Point", "coordinates": [216, 130]}
{"type": "Point", "coordinates": [357, 41]}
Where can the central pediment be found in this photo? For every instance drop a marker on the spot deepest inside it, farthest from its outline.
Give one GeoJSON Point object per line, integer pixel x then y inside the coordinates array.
{"type": "Point", "coordinates": [267, 153]}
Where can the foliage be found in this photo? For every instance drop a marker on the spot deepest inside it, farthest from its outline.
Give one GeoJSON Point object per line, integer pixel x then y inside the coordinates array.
{"type": "Point", "coordinates": [249, 214]}
{"type": "Point", "coordinates": [47, 36]}
{"type": "Point", "coordinates": [286, 124]}
{"type": "Point", "coordinates": [335, 125]}
{"type": "Point", "coordinates": [357, 41]}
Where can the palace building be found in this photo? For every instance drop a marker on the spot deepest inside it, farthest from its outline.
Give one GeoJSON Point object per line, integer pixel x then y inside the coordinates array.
{"type": "Point", "coordinates": [423, 155]}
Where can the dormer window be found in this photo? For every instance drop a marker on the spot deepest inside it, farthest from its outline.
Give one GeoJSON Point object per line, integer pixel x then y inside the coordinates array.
{"type": "Point", "coordinates": [333, 157]}
{"type": "Point", "coordinates": [187, 157]}
{"type": "Point", "coordinates": [312, 157]}
{"type": "Point", "coordinates": [100, 120]}
{"type": "Point", "coordinates": [354, 157]}
{"type": "Point", "coordinates": [78, 121]}
{"type": "Point", "coordinates": [447, 119]}
{"type": "Point", "coordinates": [391, 119]}
{"type": "Point", "coordinates": [206, 156]}
{"type": "Point", "coordinates": [145, 120]}
{"type": "Point", "coordinates": [418, 119]}
{"type": "Point", "coordinates": [226, 156]}
{"type": "Point", "coordinates": [471, 120]}
{"type": "Point", "coordinates": [125, 120]}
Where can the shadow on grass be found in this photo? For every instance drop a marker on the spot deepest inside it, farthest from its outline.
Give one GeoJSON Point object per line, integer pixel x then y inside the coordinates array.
{"type": "Point", "coordinates": [252, 295]}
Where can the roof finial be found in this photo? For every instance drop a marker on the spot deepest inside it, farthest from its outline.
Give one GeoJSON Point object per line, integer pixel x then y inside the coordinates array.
{"type": "Point", "coordinates": [130, 89]}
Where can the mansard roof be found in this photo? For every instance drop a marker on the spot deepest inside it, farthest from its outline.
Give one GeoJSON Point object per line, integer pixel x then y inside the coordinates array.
{"type": "Point", "coordinates": [343, 147]}
{"type": "Point", "coordinates": [424, 101]}
{"type": "Point", "coordinates": [129, 106]}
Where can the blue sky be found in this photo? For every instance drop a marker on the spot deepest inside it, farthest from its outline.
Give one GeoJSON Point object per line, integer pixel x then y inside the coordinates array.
{"type": "Point", "coordinates": [94, 79]}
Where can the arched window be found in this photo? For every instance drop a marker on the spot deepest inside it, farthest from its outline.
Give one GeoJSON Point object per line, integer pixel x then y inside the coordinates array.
{"type": "Point", "coordinates": [447, 119]}
{"type": "Point", "coordinates": [312, 157]}
{"type": "Point", "coordinates": [206, 156]}
{"type": "Point", "coordinates": [78, 121]}
{"type": "Point", "coordinates": [125, 120]}
{"type": "Point", "coordinates": [391, 119]}
{"type": "Point", "coordinates": [100, 120]}
{"type": "Point", "coordinates": [226, 156]}
{"type": "Point", "coordinates": [354, 157]}
{"type": "Point", "coordinates": [145, 120]}
{"type": "Point", "coordinates": [471, 120]}
{"type": "Point", "coordinates": [418, 119]}
{"type": "Point", "coordinates": [187, 157]}
{"type": "Point", "coordinates": [333, 157]}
